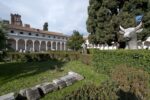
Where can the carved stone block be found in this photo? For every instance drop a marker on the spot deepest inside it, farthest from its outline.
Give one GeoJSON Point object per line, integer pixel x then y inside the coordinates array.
{"type": "Point", "coordinates": [69, 79]}
{"type": "Point", "coordinates": [33, 94]}
{"type": "Point", "coordinates": [60, 83]}
{"type": "Point", "coordinates": [76, 75]}
{"type": "Point", "coordinates": [47, 87]}
{"type": "Point", "coordinates": [10, 96]}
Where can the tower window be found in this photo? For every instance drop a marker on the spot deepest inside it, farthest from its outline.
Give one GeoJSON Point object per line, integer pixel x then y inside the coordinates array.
{"type": "Point", "coordinates": [43, 35]}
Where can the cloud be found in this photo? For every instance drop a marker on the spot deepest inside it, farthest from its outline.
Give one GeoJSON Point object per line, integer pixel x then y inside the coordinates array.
{"type": "Point", "coordinates": [62, 15]}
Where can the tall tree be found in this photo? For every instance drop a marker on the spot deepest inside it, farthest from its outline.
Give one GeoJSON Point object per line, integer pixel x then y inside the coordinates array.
{"type": "Point", "coordinates": [105, 16]}
{"type": "Point", "coordinates": [45, 26]}
{"type": "Point", "coordinates": [3, 38]}
{"type": "Point", "coordinates": [75, 41]}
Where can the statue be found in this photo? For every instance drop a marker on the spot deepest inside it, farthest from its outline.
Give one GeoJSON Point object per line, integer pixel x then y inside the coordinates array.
{"type": "Point", "coordinates": [130, 36]}
{"type": "Point", "coordinates": [84, 48]}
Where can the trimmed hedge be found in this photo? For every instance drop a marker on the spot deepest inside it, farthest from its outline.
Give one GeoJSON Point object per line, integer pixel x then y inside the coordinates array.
{"type": "Point", "coordinates": [63, 56]}
{"type": "Point", "coordinates": [104, 61]}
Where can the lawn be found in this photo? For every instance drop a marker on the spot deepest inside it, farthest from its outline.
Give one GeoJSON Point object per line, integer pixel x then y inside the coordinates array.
{"type": "Point", "coordinates": [16, 76]}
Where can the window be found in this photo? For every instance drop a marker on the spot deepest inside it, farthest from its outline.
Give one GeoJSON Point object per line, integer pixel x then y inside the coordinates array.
{"type": "Point", "coordinates": [37, 34]}
{"type": "Point", "coordinates": [30, 34]}
{"type": "Point", "coordinates": [21, 32]}
{"type": "Point", "coordinates": [54, 37]}
{"type": "Point", "coordinates": [11, 31]}
{"type": "Point", "coordinates": [43, 35]}
{"type": "Point", "coordinates": [49, 36]}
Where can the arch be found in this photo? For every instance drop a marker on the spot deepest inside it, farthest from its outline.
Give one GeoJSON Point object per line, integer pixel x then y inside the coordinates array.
{"type": "Point", "coordinates": [43, 46]}
{"type": "Point", "coordinates": [63, 46]}
{"type": "Point", "coordinates": [49, 45]}
{"type": "Point", "coordinates": [29, 45]}
{"type": "Point", "coordinates": [21, 44]}
{"type": "Point", "coordinates": [54, 45]}
{"type": "Point", "coordinates": [58, 45]}
{"type": "Point", "coordinates": [12, 43]}
{"type": "Point", "coordinates": [36, 46]}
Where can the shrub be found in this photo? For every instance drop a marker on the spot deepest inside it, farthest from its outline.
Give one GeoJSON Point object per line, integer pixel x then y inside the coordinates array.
{"type": "Point", "coordinates": [104, 61]}
{"type": "Point", "coordinates": [133, 83]}
{"type": "Point", "coordinates": [107, 91]}
{"type": "Point", "coordinates": [126, 83]}
{"type": "Point", "coordinates": [63, 56]}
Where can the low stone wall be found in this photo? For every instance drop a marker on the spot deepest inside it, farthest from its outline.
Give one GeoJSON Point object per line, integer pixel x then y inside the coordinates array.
{"type": "Point", "coordinates": [38, 91]}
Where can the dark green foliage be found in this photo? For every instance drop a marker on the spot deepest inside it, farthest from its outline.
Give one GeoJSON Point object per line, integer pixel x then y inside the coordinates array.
{"type": "Point", "coordinates": [126, 83]}
{"type": "Point", "coordinates": [34, 57]}
{"type": "Point", "coordinates": [45, 26]}
{"type": "Point", "coordinates": [75, 41]}
{"type": "Point", "coordinates": [104, 61]}
{"type": "Point", "coordinates": [92, 92]}
{"type": "Point", "coordinates": [133, 83]}
{"type": "Point", "coordinates": [2, 36]}
{"type": "Point", "coordinates": [105, 16]}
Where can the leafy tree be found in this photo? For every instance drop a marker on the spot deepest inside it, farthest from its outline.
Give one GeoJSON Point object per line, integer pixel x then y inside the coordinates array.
{"type": "Point", "coordinates": [105, 16]}
{"type": "Point", "coordinates": [45, 26]}
{"type": "Point", "coordinates": [3, 38]}
{"type": "Point", "coordinates": [75, 41]}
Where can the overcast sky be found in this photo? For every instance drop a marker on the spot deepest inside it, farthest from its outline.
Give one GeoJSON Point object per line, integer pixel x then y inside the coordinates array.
{"type": "Point", "coordinates": [62, 15]}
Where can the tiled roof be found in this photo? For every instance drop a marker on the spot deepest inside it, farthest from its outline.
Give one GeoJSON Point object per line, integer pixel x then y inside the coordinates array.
{"type": "Point", "coordinates": [34, 30]}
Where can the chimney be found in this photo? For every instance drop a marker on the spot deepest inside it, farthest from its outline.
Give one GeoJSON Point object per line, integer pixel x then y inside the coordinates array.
{"type": "Point", "coordinates": [27, 25]}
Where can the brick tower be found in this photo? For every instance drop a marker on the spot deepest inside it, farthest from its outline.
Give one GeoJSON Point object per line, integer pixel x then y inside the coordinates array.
{"type": "Point", "coordinates": [16, 19]}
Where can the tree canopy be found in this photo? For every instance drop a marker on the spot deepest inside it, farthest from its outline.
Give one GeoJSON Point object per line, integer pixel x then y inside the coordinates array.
{"type": "Point", "coordinates": [105, 16]}
{"type": "Point", "coordinates": [45, 26]}
{"type": "Point", "coordinates": [3, 44]}
{"type": "Point", "coordinates": [75, 41]}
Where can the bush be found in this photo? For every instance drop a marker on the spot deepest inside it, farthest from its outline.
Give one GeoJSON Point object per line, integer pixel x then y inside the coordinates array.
{"type": "Point", "coordinates": [133, 83]}
{"type": "Point", "coordinates": [107, 91]}
{"type": "Point", "coordinates": [126, 83]}
{"type": "Point", "coordinates": [104, 61]}
{"type": "Point", "coordinates": [63, 56]}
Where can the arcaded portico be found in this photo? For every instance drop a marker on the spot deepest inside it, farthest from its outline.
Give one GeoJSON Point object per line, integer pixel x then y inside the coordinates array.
{"type": "Point", "coordinates": [35, 45]}
{"type": "Point", "coordinates": [24, 38]}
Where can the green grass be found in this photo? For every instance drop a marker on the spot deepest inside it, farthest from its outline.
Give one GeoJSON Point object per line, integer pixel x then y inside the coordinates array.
{"type": "Point", "coordinates": [16, 76]}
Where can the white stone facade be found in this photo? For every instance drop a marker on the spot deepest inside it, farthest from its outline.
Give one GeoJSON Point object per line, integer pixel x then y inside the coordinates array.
{"type": "Point", "coordinates": [27, 40]}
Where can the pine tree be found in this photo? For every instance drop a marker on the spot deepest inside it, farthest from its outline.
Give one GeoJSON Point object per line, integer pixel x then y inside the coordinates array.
{"type": "Point", "coordinates": [3, 38]}
{"type": "Point", "coordinates": [105, 16]}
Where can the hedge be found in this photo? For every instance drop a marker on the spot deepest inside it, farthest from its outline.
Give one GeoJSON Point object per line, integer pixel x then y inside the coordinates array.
{"type": "Point", "coordinates": [104, 61]}
{"type": "Point", "coordinates": [31, 57]}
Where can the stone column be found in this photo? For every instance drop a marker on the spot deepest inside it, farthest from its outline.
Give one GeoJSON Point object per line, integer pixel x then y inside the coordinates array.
{"type": "Point", "coordinates": [39, 46]}
{"type": "Point", "coordinates": [56, 45]}
{"type": "Point", "coordinates": [33, 49]}
{"type": "Point", "coordinates": [64, 45]}
{"type": "Point", "coordinates": [46, 45]}
{"type": "Point", "coordinates": [51, 45]}
{"type": "Point", "coordinates": [17, 44]}
{"type": "Point", "coordinates": [60, 46]}
{"type": "Point", "coordinates": [25, 42]}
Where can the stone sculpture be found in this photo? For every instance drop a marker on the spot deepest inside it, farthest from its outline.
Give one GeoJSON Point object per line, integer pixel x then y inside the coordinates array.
{"type": "Point", "coordinates": [130, 36]}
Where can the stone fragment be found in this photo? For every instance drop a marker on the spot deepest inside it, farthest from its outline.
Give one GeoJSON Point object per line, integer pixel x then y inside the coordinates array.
{"type": "Point", "coordinates": [10, 96]}
{"type": "Point", "coordinates": [33, 94]}
{"type": "Point", "coordinates": [47, 87]}
{"type": "Point", "coordinates": [69, 79]}
{"type": "Point", "coordinates": [60, 83]}
{"type": "Point", "coordinates": [76, 75]}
